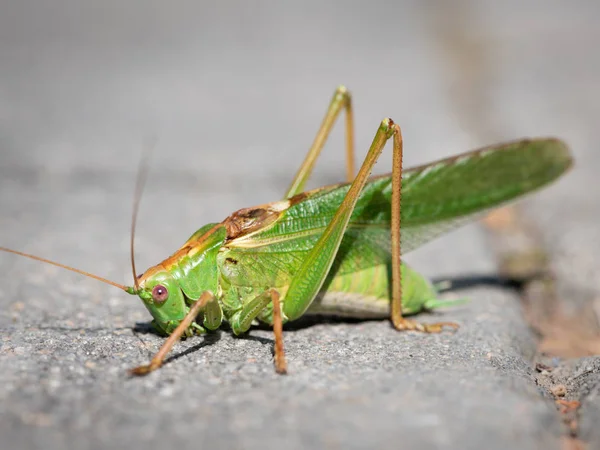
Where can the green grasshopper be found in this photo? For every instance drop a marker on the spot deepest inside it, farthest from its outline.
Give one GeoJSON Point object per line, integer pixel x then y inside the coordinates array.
{"type": "Point", "coordinates": [336, 249]}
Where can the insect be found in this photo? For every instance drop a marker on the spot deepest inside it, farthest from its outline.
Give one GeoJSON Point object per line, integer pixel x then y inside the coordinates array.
{"type": "Point", "coordinates": [336, 249]}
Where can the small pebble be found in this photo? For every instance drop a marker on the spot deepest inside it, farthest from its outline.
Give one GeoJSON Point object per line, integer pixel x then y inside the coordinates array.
{"type": "Point", "coordinates": [560, 390]}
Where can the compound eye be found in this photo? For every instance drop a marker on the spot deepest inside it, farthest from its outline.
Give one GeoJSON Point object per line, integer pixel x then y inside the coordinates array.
{"type": "Point", "coordinates": [160, 293]}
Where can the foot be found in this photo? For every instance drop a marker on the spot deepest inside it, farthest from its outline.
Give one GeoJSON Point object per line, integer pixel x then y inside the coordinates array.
{"type": "Point", "coordinates": [410, 325]}
{"type": "Point", "coordinates": [144, 370]}
{"type": "Point", "coordinates": [280, 365]}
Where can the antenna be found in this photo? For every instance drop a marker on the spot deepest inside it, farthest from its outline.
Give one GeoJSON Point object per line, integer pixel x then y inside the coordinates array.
{"type": "Point", "coordinates": [72, 269]}
{"type": "Point", "coordinates": [140, 182]}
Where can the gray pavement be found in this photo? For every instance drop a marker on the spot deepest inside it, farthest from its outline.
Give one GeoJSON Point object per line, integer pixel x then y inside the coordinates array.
{"type": "Point", "coordinates": [234, 94]}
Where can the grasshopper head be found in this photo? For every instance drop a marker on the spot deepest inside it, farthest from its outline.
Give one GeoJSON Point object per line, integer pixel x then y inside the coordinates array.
{"type": "Point", "coordinates": [163, 298]}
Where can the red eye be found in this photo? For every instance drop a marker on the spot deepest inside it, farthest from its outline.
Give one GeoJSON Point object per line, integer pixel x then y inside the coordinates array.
{"type": "Point", "coordinates": [160, 293]}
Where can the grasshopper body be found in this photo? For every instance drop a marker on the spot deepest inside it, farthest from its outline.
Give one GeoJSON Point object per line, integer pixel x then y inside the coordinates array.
{"type": "Point", "coordinates": [335, 250]}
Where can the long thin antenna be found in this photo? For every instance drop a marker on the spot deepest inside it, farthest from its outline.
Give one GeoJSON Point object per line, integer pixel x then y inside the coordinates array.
{"type": "Point", "coordinates": [72, 269]}
{"type": "Point", "coordinates": [140, 182]}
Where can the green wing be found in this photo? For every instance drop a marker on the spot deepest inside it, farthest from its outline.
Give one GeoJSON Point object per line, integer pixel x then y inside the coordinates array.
{"type": "Point", "coordinates": [444, 195]}
{"type": "Point", "coordinates": [436, 198]}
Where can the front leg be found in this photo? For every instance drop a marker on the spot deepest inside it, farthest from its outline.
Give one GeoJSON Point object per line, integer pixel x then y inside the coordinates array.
{"type": "Point", "coordinates": [172, 326]}
{"type": "Point", "coordinates": [181, 329]}
{"type": "Point", "coordinates": [241, 322]}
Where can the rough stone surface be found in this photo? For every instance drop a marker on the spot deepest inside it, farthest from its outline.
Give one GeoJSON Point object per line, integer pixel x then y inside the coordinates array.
{"type": "Point", "coordinates": [234, 96]}
{"type": "Point", "coordinates": [585, 378]}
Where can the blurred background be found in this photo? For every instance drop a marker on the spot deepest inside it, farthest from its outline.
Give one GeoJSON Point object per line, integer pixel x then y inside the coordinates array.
{"type": "Point", "coordinates": [234, 91]}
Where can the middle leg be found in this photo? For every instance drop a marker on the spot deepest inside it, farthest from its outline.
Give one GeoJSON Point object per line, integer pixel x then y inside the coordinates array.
{"type": "Point", "coordinates": [244, 318]}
